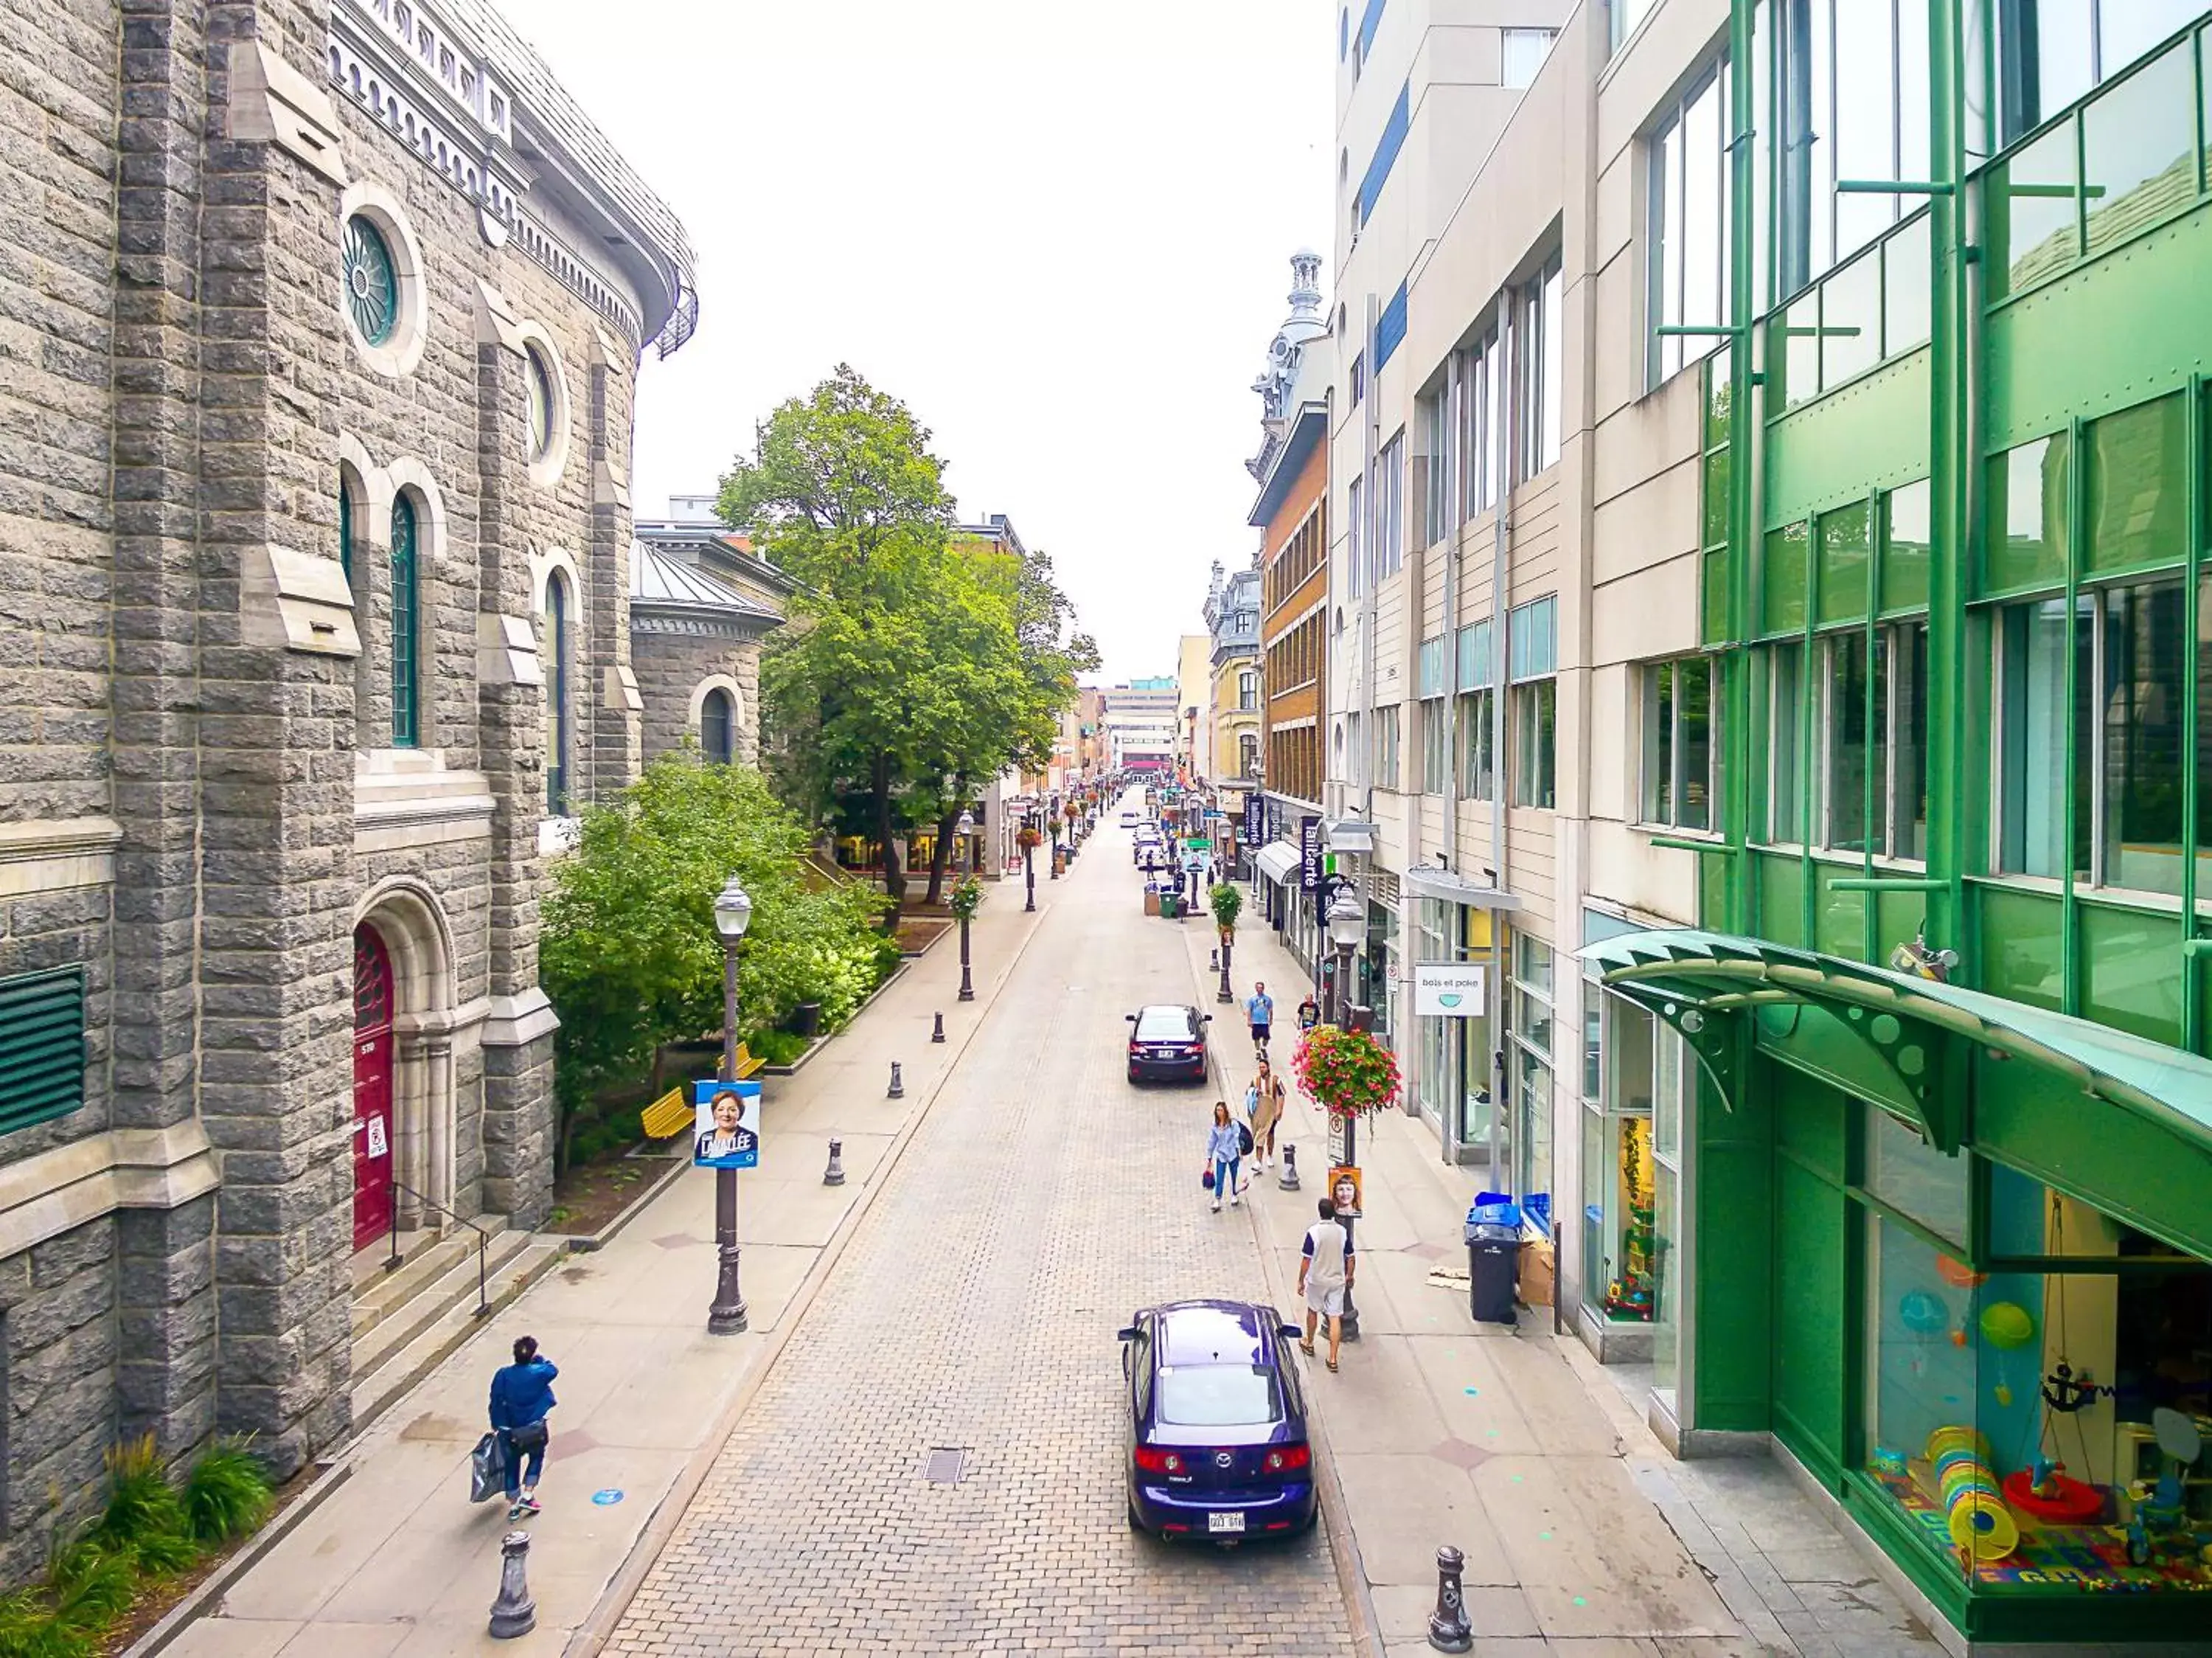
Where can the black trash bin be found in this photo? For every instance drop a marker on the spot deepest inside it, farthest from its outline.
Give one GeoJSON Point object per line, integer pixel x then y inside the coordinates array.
{"type": "Point", "coordinates": [1493, 1260]}
{"type": "Point", "coordinates": [805, 1019]}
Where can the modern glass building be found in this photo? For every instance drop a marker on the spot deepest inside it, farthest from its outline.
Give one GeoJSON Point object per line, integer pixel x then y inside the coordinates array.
{"type": "Point", "coordinates": [1915, 1156]}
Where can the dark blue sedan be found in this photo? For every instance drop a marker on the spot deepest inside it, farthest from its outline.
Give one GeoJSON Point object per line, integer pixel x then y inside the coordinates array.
{"type": "Point", "coordinates": [1217, 1423]}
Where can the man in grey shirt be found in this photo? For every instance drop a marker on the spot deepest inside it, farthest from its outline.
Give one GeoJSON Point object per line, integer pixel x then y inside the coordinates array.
{"type": "Point", "coordinates": [1324, 1276]}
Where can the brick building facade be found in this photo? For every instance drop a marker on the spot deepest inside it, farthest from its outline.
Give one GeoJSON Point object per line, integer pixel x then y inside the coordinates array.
{"type": "Point", "coordinates": [321, 320]}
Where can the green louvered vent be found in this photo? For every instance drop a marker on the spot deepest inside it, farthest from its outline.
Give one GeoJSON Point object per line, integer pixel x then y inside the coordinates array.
{"type": "Point", "coordinates": [41, 1046]}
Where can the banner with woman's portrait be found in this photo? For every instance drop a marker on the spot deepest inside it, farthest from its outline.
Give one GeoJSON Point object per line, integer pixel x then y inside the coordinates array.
{"type": "Point", "coordinates": [726, 1126]}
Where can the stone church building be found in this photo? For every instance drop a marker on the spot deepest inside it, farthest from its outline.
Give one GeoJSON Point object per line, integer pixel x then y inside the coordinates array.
{"type": "Point", "coordinates": [320, 322]}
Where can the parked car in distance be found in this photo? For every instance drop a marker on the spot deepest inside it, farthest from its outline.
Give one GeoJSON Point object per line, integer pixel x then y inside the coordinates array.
{"type": "Point", "coordinates": [1131, 816]}
{"type": "Point", "coordinates": [1218, 1445]}
{"type": "Point", "coordinates": [1168, 1043]}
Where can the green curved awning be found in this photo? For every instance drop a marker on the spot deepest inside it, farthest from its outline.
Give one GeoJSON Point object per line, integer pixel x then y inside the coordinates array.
{"type": "Point", "coordinates": [1905, 1020]}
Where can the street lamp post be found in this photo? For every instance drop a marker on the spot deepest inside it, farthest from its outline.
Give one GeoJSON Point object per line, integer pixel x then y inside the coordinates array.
{"type": "Point", "coordinates": [1347, 921]}
{"type": "Point", "coordinates": [963, 830]}
{"type": "Point", "coordinates": [733, 913]}
{"type": "Point", "coordinates": [1028, 864]}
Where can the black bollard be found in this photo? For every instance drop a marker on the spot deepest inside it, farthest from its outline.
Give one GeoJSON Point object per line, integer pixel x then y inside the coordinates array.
{"type": "Point", "coordinates": [514, 1613]}
{"type": "Point", "coordinates": [1448, 1630]}
{"type": "Point", "coordinates": [937, 1031]}
{"type": "Point", "coordinates": [835, 1175]}
{"type": "Point", "coordinates": [897, 1090]}
{"type": "Point", "coordinates": [1287, 1180]}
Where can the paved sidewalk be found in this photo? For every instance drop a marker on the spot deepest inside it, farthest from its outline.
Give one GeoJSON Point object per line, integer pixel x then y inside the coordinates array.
{"type": "Point", "coordinates": [1582, 1536]}
{"type": "Point", "coordinates": [396, 1563]}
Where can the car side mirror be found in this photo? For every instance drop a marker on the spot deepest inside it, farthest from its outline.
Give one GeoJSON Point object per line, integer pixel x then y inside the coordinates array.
{"type": "Point", "coordinates": [1130, 1017]}
{"type": "Point", "coordinates": [1128, 1332]}
{"type": "Point", "coordinates": [1206, 1018]}
{"type": "Point", "coordinates": [1290, 1331]}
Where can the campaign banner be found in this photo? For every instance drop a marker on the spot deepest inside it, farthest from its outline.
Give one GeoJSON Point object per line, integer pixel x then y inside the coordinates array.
{"type": "Point", "coordinates": [1309, 854]}
{"type": "Point", "coordinates": [725, 1125]}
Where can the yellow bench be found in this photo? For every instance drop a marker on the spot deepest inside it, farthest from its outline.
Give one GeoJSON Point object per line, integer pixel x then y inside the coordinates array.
{"type": "Point", "coordinates": [672, 1114]}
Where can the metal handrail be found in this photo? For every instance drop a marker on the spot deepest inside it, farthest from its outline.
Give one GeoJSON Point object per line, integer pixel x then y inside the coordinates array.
{"type": "Point", "coordinates": [484, 1241]}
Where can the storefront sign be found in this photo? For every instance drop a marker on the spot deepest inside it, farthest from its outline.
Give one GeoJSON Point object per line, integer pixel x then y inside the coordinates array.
{"type": "Point", "coordinates": [1450, 990]}
{"type": "Point", "coordinates": [1255, 825]}
{"type": "Point", "coordinates": [1309, 854]}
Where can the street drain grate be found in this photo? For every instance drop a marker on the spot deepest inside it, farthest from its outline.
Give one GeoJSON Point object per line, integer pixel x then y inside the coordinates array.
{"type": "Point", "coordinates": [945, 1466]}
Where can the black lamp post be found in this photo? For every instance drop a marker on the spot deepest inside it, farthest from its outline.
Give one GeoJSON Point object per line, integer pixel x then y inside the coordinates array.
{"type": "Point", "coordinates": [1347, 922]}
{"type": "Point", "coordinates": [964, 830]}
{"type": "Point", "coordinates": [733, 913]}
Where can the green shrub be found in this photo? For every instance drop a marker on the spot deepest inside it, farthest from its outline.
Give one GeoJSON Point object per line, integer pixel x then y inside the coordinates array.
{"type": "Point", "coordinates": [228, 1493]}
{"type": "Point", "coordinates": [776, 1047]}
{"type": "Point", "coordinates": [93, 1584]}
{"type": "Point", "coordinates": [28, 1630]}
{"type": "Point", "coordinates": [143, 1506]}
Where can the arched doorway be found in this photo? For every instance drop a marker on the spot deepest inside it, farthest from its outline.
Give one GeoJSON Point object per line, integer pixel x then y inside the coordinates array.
{"type": "Point", "coordinates": [373, 1047]}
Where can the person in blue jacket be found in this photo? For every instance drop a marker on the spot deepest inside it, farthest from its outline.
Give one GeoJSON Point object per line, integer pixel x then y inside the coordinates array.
{"type": "Point", "coordinates": [521, 1397]}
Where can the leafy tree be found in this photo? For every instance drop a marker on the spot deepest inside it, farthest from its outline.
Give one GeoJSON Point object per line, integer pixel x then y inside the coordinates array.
{"type": "Point", "coordinates": [629, 956]}
{"type": "Point", "coordinates": [918, 664]}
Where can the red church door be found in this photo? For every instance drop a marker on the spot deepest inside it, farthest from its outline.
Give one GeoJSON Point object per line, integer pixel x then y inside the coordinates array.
{"type": "Point", "coordinates": [372, 1087]}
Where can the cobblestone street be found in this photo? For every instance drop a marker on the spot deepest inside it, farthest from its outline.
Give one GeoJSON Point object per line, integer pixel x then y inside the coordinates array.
{"type": "Point", "coordinates": [1041, 1202]}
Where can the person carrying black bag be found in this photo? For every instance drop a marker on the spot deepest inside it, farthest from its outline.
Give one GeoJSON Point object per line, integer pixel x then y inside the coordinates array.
{"type": "Point", "coordinates": [521, 1397]}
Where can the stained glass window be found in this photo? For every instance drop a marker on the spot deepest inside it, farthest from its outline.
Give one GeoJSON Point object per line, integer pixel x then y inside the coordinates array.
{"type": "Point", "coordinates": [406, 625]}
{"type": "Point", "coordinates": [372, 281]}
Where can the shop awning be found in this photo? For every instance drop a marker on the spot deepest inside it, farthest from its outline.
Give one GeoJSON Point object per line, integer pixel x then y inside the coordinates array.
{"type": "Point", "coordinates": [1458, 889]}
{"type": "Point", "coordinates": [1277, 859]}
{"type": "Point", "coordinates": [1923, 1049]}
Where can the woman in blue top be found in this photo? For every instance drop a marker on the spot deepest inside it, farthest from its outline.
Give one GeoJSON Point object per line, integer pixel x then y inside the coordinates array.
{"type": "Point", "coordinates": [1225, 1148]}
{"type": "Point", "coordinates": [521, 1395]}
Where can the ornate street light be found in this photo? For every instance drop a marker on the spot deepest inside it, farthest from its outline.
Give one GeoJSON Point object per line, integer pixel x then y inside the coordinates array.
{"type": "Point", "coordinates": [1347, 922]}
{"type": "Point", "coordinates": [733, 913]}
{"type": "Point", "coordinates": [964, 829]}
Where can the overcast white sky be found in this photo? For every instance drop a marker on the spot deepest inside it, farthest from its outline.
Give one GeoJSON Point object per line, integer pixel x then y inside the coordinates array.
{"type": "Point", "coordinates": [1060, 232]}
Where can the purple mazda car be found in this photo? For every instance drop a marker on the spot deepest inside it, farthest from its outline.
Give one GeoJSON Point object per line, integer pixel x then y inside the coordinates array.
{"type": "Point", "coordinates": [1217, 1423]}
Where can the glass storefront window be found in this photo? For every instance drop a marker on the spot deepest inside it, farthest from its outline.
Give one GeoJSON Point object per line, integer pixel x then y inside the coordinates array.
{"type": "Point", "coordinates": [1961, 1366]}
{"type": "Point", "coordinates": [1913, 1178]}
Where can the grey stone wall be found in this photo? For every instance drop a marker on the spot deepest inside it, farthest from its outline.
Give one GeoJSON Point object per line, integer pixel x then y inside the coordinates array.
{"type": "Point", "coordinates": [58, 1304]}
{"type": "Point", "coordinates": [669, 668]}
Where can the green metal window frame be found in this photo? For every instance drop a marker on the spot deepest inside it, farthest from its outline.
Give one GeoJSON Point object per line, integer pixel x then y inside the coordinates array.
{"type": "Point", "coordinates": [371, 277]}
{"type": "Point", "coordinates": [41, 1046]}
{"type": "Point", "coordinates": [406, 624]}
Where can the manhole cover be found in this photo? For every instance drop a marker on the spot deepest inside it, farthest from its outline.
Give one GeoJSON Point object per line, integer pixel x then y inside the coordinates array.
{"type": "Point", "coordinates": [945, 1466]}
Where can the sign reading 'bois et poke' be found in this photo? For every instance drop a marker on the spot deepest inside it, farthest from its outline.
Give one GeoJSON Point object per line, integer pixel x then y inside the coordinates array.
{"type": "Point", "coordinates": [1450, 990]}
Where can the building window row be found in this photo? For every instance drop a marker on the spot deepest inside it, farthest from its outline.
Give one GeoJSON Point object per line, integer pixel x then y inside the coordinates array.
{"type": "Point", "coordinates": [1681, 758]}
{"type": "Point", "coordinates": [1377, 548]}
{"type": "Point", "coordinates": [1299, 559]}
{"type": "Point", "coordinates": [1294, 762]}
{"type": "Point", "coordinates": [1687, 234]}
{"type": "Point", "coordinates": [1294, 659]}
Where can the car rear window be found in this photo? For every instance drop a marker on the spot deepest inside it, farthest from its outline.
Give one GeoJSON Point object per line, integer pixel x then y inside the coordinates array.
{"type": "Point", "coordinates": [1218, 1395]}
{"type": "Point", "coordinates": [1164, 1025]}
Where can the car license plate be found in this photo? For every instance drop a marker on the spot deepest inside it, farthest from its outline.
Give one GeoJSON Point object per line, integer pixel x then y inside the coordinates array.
{"type": "Point", "coordinates": [1224, 1522]}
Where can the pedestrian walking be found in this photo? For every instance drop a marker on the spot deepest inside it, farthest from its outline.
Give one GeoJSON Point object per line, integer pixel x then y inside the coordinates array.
{"type": "Point", "coordinates": [1324, 1279]}
{"type": "Point", "coordinates": [1264, 1110]}
{"type": "Point", "coordinates": [1225, 1150]}
{"type": "Point", "coordinates": [1260, 1010]}
{"type": "Point", "coordinates": [521, 1397]}
{"type": "Point", "coordinates": [1309, 1013]}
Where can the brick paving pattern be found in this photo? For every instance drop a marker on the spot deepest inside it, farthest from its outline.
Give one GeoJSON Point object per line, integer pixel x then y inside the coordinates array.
{"type": "Point", "coordinates": [1040, 1204]}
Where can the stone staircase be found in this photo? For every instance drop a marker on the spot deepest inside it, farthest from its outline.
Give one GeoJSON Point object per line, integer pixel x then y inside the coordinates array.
{"type": "Point", "coordinates": [406, 1318]}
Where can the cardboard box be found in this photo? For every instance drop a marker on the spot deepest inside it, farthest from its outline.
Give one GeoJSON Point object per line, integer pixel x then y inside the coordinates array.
{"type": "Point", "coordinates": [1536, 1272]}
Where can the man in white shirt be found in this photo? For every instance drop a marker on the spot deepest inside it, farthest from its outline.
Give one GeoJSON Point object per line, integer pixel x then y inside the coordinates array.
{"type": "Point", "coordinates": [1324, 1276]}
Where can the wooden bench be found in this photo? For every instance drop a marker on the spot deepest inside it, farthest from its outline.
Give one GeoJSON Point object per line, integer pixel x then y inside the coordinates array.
{"type": "Point", "coordinates": [672, 1114]}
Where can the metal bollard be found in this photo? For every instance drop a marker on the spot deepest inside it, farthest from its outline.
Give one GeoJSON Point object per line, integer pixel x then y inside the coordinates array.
{"type": "Point", "coordinates": [1287, 1180]}
{"type": "Point", "coordinates": [897, 1090]}
{"type": "Point", "coordinates": [1213, 960]}
{"type": "Point", "coordinates": [514, 1613]}
{"type": "Point", "coordinates": [1448, 1630]}
{"type": "Point", "coordinates": [937, 1031]}
{"type": "Point", "coordinates": [835, 1175]}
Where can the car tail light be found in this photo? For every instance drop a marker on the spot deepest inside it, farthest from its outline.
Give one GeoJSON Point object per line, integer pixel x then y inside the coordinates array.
{"type": "Point", "coordinates": [1289, 1459]}
{"type": "Point", "coordinates": [1153, 1460]}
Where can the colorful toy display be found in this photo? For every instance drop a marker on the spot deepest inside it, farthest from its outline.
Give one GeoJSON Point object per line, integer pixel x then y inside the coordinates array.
{"type": "Point", "coordinates": [1982, 1528]}
{"type": "Point", "coordinates": [1635, 1293]}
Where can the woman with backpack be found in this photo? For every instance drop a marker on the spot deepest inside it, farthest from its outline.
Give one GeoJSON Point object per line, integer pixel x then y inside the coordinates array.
{"type": "Point", "coordinates": [1224, 1152]}
{"type": "Point", "coordinates": [521, 1399]}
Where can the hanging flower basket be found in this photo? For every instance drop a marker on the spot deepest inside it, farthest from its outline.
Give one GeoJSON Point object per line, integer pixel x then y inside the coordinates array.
{"type": "Point", "coordinates": [1028, 839]}
{"type": "Point", "coordinates": [1348, 1071]}
{"type": "Point", "coordinates": [966, 899]}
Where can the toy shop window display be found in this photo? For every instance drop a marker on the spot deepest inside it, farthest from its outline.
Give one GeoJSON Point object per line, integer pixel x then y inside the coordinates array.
{"type": "Point", "coordinates": [2050, 1430]}
{"type": "Point", "coordinates": [1628, 1187]}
